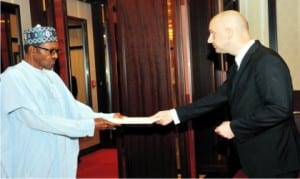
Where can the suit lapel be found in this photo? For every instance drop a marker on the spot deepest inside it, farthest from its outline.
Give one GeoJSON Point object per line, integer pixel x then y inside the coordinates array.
{"type": "Point", "coordinates": [243, 65]}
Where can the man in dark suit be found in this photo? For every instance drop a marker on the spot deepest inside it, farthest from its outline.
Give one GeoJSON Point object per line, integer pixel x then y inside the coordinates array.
{"type": "Point", "coordinates": [260, 95]}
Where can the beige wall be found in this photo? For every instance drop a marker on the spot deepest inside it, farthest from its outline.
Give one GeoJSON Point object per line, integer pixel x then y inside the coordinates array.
{"type": "Point", "coordinates": [256, 11]}
{"type": "Point", "coordinates": [288, 30]}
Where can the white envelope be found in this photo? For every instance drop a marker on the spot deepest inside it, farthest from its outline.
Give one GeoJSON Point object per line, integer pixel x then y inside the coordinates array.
{"type": "Point", "coordinates": [125, 120]}
{"type": "Point", "coordinates": [132, 120]}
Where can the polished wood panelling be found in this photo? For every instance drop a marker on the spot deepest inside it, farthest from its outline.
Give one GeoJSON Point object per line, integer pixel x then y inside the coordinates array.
{"type": "Point", "coordinates": [144, 65]}
{"type": "Point", "coordinates": [297, 100]}
{"type": "Point", "coordinates": [142, 83]}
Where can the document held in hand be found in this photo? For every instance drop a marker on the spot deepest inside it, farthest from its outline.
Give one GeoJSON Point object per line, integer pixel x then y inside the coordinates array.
{"type": "Point", "coordinates": [132, 120]}
{"type": "Point", "coordinates": [125, 120]}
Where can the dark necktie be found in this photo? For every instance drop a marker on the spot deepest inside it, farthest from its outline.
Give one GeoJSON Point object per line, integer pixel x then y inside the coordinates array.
{"type": "Point", "coordinates": [233, 77]}
{"type": "Point", "coordinates": [235, 67]}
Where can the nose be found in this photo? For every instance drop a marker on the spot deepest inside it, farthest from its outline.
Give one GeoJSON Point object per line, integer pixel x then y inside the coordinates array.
{"type": "Point", "coordinates": [209, 40]}
{"type": "Point", "coordinates": [54, 55]}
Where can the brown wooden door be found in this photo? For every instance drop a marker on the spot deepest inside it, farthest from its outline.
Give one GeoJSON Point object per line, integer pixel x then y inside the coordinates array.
{"type": "Point", "coordinates": [141, 85]}
{"type": "Point", "coordinates": [11, 35]}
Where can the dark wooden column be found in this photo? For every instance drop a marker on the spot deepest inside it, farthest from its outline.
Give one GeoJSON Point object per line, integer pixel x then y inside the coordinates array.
{"type": "Point", "coordinates": [60, 15]}
{"type": "Point", "coordinates": [142, 84]}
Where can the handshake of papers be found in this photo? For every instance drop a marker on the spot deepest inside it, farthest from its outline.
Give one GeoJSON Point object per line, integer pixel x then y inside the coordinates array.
{"type": "Point", "coordinates": [133, 120]}
{"type": "Point", "coordinates": [126, 120]}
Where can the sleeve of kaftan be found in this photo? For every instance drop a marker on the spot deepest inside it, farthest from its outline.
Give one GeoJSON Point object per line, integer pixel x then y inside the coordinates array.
{"type": "Point", "coordinates": [86, 111]}
{"type": "Point", "coordinates": [55, 124]}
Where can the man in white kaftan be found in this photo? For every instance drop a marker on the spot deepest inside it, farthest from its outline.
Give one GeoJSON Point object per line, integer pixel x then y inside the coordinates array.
{"type": "Point", "coordinates": [41, 123]}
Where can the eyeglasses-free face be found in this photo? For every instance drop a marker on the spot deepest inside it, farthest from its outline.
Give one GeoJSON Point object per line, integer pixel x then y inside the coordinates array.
{"type": "Point", "coordinates": [51, 51]}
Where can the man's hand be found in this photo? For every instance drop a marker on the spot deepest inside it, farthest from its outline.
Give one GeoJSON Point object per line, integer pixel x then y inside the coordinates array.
{"type": "Point", "coordinates": [103, 124]}
{"type": "Point", "coordinates": [224, 130]}
{"type": "Point", "coordinates": [118, 115]}
{"type": "Point", "coordinates": [163, 117]}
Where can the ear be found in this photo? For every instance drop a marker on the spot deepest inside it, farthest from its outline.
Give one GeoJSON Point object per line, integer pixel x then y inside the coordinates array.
{"type": "Point", "coordinates": [31, 49]}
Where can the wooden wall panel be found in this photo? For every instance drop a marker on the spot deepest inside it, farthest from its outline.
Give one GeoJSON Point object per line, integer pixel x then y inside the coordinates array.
{"type": "Point", "coordinates": [297, 108]}
{"type": "Point", "coordinates": [141, 67]}
{"type": "Point", "coordinates": [60, 14]}
{"type": "Point", "coordinates": [143, 53]}
{"type": "Point", "coordinates": [296, 100]}
{"type": "Point", "coordinates": [5, 48]}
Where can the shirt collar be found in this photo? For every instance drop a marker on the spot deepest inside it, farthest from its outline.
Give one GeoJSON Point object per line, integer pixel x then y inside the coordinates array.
{"type": "Point", "coordinates": [239, 57]}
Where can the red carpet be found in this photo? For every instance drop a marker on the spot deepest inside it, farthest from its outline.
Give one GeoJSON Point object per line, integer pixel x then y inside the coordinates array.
{"type": "Point", "coordinates": [241, 174]}
{"type": "Point", "coordinates": [102, 163]}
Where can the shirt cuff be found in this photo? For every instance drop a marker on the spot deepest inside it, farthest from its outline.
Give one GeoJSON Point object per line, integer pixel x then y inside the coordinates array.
{"type": "Point", "coordinates": [88, 126]}
{"type": "Point", "coordinates": [175, 116]}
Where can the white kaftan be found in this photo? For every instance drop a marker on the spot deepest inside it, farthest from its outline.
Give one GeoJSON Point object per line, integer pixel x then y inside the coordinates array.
{"type": "Point", "coordinates": [40, 124]}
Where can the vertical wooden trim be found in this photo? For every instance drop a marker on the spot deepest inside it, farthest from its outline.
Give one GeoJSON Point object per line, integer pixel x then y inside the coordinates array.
{"type": "Point", "coordinates": [99, 27]}
{"type": "Point", "coordinates": [44, 5]}
{"type": "Point", "coordinates": [296, 100]}
{"type": "Point", "coordinates": [185, 79]}
{"type": "Point", "coordinates": [114, 69]}
{"type": "Point", "coordinates": [272, 24]}
{"type": "Point", "coordinates": [191, 148]}
{"type": "Point", "coordinates": [60, 13]}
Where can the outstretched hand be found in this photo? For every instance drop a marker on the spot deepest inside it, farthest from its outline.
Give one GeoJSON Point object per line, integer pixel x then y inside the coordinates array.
{"type": "Point", "coordinates": [118, 115]}
{"type": "Point", "coordinates": [102, 124]}
{"type": "Point", "coordinates": [163, 117]}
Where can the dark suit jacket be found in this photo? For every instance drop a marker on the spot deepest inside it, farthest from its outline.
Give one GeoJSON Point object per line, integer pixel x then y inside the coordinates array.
{"type": "Point", "coordinates": [261, 105]}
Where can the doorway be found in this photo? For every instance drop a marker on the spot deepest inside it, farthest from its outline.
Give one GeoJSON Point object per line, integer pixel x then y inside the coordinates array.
{"type": "Point", "coordinates": [79, 60]}
{"type": "Point", "coordinates": [11, 36]}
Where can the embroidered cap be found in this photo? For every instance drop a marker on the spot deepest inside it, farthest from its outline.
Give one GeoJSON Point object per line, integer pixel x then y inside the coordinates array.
{"type": "Point", "coordinates": [39, 34]}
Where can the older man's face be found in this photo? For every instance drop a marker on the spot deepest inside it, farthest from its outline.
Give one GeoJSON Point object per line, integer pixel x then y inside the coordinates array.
{"type": "Point", "coordinates": [45, 55]}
